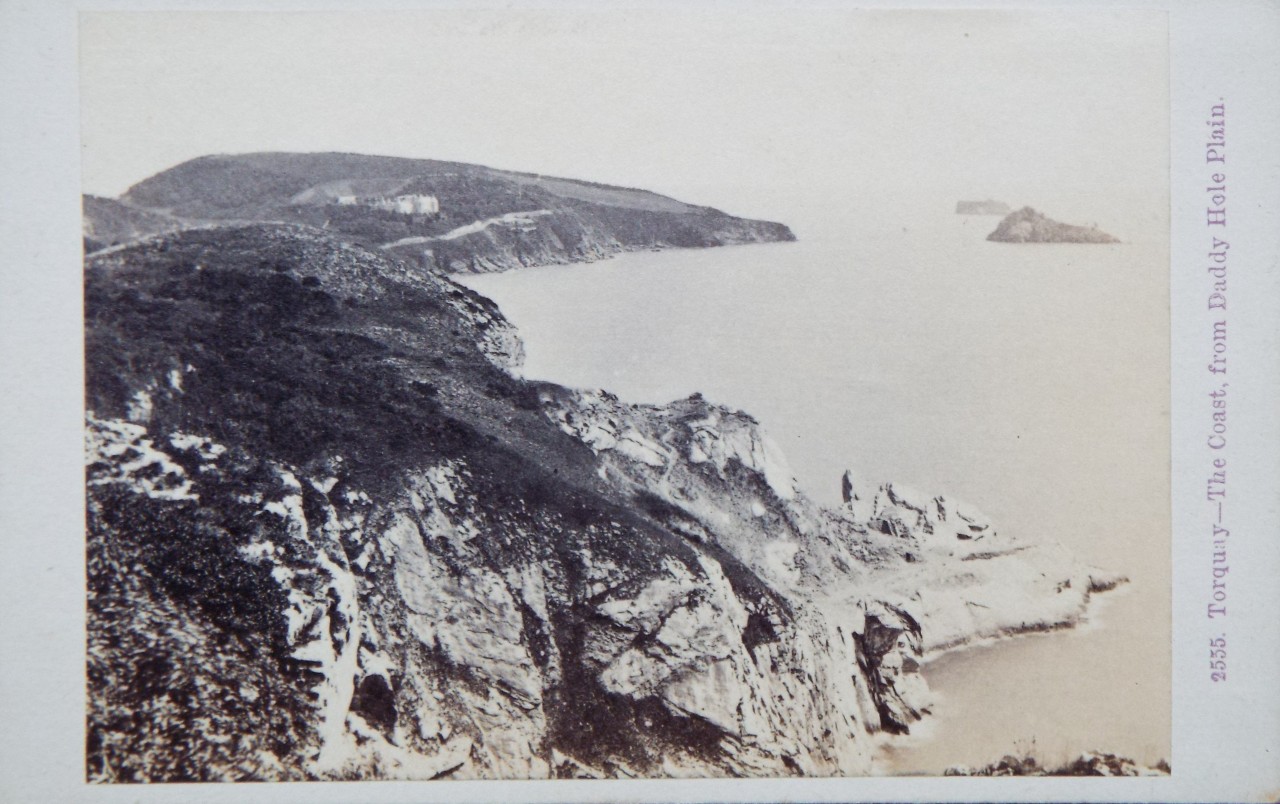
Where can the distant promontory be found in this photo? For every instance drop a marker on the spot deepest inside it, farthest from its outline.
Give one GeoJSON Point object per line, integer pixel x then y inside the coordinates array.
{"type": "Point", "coordinates": [987, 207]}
{"type": "Point", "coordinates": [450, 217]}
{"type": "Point", "coordinates": [1029, 226]}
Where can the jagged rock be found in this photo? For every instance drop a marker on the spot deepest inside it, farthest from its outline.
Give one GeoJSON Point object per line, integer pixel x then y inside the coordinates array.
{"type": "Point", "coordinates": [892, 549]}
{"type": "Point", "coordinates": [1029, 226]}
{"type": "Point", "coordinates": [1090, 763]}
{"type": "Point", "coordinates": [891, 650]}
{"type": "Point", "coordinates": [899, 510]}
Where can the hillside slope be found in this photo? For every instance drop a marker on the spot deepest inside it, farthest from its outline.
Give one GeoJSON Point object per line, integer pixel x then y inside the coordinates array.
{"type": "Point", "coordinates": [487, 219]}
{"type": "Point", "coordinates": [331, 537]}
{"type": "Point", "coordinates": [108, 222]}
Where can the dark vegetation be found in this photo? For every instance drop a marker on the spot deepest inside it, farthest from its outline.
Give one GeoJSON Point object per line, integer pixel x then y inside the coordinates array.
{"type": "Point", "coordinates": [182, 551]}
{"type": "Point", "coordinates": [181, 627]}
{"type": "Point", "coordinates": [287, 359]}
{"type": "Point", "coordinates": [279, 351]}
{"type": "Point", "coordinates": [284, 355]}
{"type": "Point", "coordinates": [289, 346]}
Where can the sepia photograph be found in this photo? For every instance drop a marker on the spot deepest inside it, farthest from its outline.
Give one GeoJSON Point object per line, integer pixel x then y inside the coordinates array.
{"type": "Point", "coordinates": [554, 393]}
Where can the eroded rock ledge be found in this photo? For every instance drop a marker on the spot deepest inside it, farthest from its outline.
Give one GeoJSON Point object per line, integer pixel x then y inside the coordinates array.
{"type": "Point", "coordinates": [906, 572]}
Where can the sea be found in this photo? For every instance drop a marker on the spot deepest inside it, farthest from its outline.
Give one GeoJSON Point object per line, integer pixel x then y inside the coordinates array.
{"type": "Point", "coordinates": [1030, 380]}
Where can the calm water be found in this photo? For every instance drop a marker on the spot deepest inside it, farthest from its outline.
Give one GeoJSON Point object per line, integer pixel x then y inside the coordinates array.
{"type": "Point", "coordinates": [1030, 380]}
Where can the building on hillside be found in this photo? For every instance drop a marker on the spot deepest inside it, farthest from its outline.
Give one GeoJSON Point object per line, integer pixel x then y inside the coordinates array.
{"type": "Point", "coordinates": [415, 204]}
{"type": "Point", "coordinates": [408, 204]}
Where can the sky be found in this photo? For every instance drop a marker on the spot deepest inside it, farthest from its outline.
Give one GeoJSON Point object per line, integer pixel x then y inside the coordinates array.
{"type": "Point", "coordinates": [764, 113]}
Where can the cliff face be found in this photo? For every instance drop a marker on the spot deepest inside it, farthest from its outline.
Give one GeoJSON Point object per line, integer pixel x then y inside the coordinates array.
{"type": "Point", "coordinates": [938, 562]}
{"type": "Point", "coordinates": [1028, 226]}
{"type": "Point", "coordinates": [488, 220]}
{"type": "Point", "coordinates": [577, 232]}
{"type": "Point", "coordinates": [330, 537]}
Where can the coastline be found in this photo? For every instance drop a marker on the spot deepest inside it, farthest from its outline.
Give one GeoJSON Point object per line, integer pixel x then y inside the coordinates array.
{"type": "Point", "coordinates": [1086, 619]}
{"type": "Point", "coordinates": [708, 474]}
{"type": "Point", "coordinates": [1090, 620]}
{"type": "Point", "coordinates": [970, 681]}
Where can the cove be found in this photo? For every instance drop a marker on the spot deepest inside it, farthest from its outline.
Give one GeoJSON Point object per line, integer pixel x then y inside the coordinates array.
{"type": "Point", "coordinates": [1028, 379]}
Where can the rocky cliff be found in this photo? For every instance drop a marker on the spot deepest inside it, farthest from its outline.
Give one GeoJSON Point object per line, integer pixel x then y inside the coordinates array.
{"type": "Point", "coordinates": [332, 537]}
{"type": "Point", "coordinates": [1028, 226]}
{"type": "Point", "coordinates": [488, 220]}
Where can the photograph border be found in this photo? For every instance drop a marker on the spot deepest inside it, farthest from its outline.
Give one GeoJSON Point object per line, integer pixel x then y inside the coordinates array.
{"type": "Point", "coordinates": [1226, 736]}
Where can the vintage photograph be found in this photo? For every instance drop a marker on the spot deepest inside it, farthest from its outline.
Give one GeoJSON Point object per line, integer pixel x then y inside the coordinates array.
{"type": "Point", "coordinates": [553, 393]}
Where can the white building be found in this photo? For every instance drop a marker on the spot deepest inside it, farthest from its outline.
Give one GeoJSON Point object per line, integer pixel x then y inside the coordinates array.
{"type": "Point", "coordinates": [404, 204]}
{"type": "Point", "coordinates": [409, 204]}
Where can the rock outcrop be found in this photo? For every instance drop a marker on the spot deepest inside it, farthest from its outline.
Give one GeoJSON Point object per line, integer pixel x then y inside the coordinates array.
{"type": "Point", "coordinates": [987, 207]}
{"type": "Point", "coordinates": [1090, 763]}
{"type": "Point", "coordinates": [332, 537]}
{"type": "Point", "coordinates": [1028, 226]}
{"type": "Point", "coordinates": [938, 560]}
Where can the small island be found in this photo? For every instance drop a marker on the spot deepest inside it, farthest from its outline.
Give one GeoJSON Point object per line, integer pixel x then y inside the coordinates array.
{"type": "Point", "coordinates": [1029, 226]}
{"type": "Point", "coordinates": [988, 207]}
